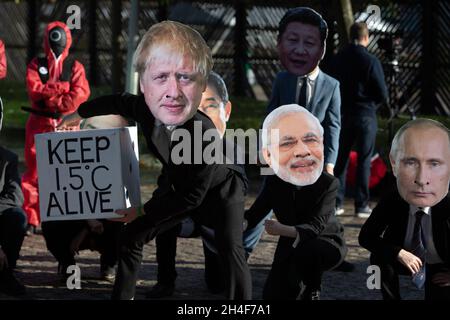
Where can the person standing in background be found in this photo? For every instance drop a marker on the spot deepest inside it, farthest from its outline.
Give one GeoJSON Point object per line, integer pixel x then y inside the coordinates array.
{"type": "Point", "coordinates": [56, 85]}
{"type": "Point", "coordinates": [362, 88]}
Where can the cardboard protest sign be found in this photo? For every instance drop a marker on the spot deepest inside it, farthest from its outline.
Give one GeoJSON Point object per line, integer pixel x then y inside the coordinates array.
{"type": "Point", "coordinates": [87, 174]}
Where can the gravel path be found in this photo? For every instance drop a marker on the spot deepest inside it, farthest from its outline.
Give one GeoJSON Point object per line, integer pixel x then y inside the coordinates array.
{"type": "Point", "coordinates": [37, 270]}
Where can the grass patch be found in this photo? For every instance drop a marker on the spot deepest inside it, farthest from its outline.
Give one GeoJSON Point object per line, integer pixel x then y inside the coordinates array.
{"type": "Point", "coordinates": [246, 113]}
{"type": "Point", "coordinates": [14, 96]}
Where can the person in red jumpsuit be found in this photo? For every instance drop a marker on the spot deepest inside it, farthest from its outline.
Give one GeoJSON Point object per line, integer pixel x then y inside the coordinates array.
{"type": "Point", "coordinates": [2, 60]}
{"type": "Point", "coordinates": [2, 66]}
{"type": "Point", "coordinates": [56, 85]}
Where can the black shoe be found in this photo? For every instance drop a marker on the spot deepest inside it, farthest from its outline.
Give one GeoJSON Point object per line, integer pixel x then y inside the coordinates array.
{"type": "Point", "coordinates": [345, 266]}
{"type": "Point", "coordinates": [314, 295]}
{"type": "Point", "coordinates": [339, 210]}
{"type": "Point", "coordinates": [214, 282]}
{"type": "Point", "coordinates": [62, 268]}
{"type": "Point", "coordinates": [213, 271]}
{"type": "Point", "coordinates": [62, 272]}
{"type": "Point", "coordinates": [309, 294]}
{"type": "Point", "coordinates": [363, 212]}
{"type": "Point", "coordinates": [10, 285]}
{"type": "Point", "coordinates": [107, 273]}
{"type": "Point", "coordinates": [30, 230]}
{"type": "Point", "coordinates": [215, 287]}
{"type": "Point", "coordinates": [160, 291]}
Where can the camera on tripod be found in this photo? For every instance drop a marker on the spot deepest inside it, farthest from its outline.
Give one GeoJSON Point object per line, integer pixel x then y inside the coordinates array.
{"type": "Point", "coordinates": [391, 44]}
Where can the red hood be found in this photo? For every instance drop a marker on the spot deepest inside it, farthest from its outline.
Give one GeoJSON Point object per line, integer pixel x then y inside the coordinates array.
{"type": "Point", "coordinates": [47, 49]}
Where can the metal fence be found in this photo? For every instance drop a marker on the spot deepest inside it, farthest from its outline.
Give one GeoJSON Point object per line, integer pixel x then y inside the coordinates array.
{"type": "Point", "coordinates": [415, 55]}
{"type": "Point", "coordinates": [242, 36]}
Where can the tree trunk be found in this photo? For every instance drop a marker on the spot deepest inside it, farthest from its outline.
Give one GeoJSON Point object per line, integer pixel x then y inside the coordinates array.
{"type": "Point", "coordinates": [347, 21]}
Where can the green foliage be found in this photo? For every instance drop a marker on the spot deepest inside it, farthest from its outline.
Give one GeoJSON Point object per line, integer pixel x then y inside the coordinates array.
{"type": "Point", "coordinates": [99, 91]}
{"type": "Point", "coordinates": [246, 113]}
{"type": "Point", "coordinates": [383, 143]}
{"type": "Point", "coordinates": [14, 96]}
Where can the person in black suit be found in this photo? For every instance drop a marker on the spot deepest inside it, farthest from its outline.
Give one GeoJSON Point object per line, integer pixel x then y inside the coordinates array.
{"type": "Point", "coordinates": [302, 197]}
{"type": "Point", "coordinates": [409, 230]}
{"type": "Point", "coordinates": [13, 220]}
{"type": "Point", "coordinates": [363, 88]}
{"type": "Point", "coordinates": [173, 72]}
{"type": "Point", "coordinates": [216, 105]}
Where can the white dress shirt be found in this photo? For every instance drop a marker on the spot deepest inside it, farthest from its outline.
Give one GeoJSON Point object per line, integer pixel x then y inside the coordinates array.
{"type": "Point", "coordinates": [311, 82]}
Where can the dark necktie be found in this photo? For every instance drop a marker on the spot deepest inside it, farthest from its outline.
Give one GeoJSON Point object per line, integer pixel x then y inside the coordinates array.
{"type": "Point", "coordinates": [302, 99]}
{"type": "Point", "coordinates": [419, 250]}
{"type": "Point", "coordinates": [161, 139]}
{"type": "Point", "coordinates": [417, 242]}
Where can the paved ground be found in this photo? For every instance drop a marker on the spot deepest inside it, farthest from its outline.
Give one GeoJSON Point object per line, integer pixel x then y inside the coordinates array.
{"type": "Point", "coordinates": [37, 268]}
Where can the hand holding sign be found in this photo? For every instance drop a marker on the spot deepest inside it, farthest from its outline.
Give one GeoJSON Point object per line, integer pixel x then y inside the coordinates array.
{"type": "Point", "coordinates": [129, 215]}
{"type": "Point", "coordinates": [87, 174]}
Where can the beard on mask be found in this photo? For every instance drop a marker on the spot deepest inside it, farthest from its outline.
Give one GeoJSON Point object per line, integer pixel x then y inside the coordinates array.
{"type": "Point", "coordinates": [298, 178]}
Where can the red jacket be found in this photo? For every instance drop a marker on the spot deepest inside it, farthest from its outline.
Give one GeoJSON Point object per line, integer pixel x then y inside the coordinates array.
{"type": "Point", "coordinates": [2, 60]}
{"type": "Point", "coordinates": [59, 96]}
{"type": "Point", "coordinates": [377, 170]}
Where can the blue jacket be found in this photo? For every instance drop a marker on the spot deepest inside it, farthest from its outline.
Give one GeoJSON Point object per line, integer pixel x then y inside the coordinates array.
{"type": "Point", "coordinates": [325, 104]}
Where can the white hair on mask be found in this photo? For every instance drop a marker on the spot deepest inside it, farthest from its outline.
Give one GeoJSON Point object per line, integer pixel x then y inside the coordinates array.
{"type": "Point", "coordinates": [269, 132]}
{"type": "Point", "coordinates": [272, 119]}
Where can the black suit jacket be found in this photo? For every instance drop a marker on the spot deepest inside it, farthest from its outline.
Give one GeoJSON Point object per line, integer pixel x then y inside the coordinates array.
{"type": "Point", "coordinates": [383, 234]}
{"type": "Point", "coordinates": [10, 192]}
{"type": "Point", "coordinates": [310, 209]}
{"type": "Point", "coordinates": [182, 187]}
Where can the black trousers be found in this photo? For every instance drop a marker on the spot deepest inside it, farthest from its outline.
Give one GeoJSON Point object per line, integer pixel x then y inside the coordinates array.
{"type": "Point", "coordinates": [390, 270]}
{"type": "Point", "coordinates": [222, 210]}
{"type": "Point", "coordinates": [166, 250]}
{"type": "Point", "coordinates": [12, 231]}
{"type": "Point", "coordinates": [306, 263]}
{"type": "Point", "coordinates": [59, 235]}
{"type": "Point", "coordinates": [362, 132]}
